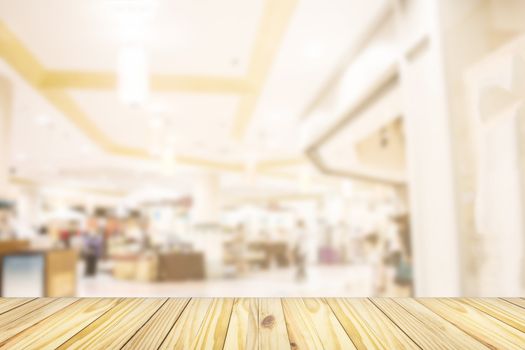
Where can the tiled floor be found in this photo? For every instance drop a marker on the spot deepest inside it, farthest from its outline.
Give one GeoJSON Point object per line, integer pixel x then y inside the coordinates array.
{"type": "Point", "coordinates": [327, 281]}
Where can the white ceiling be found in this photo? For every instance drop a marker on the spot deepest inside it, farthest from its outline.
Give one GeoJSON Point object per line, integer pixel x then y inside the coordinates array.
{"type": "Point", "coordinates": [188, 37]}
{"type": "Point", "coordinates": [183, 36]}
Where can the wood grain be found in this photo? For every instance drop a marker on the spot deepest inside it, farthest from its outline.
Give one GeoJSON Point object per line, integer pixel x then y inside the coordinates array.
{"type": "Point", "coordinates": [311, 324]}
{"type": "Point", "coordinates": [301, 330]}
{"type": "Point", "coordinates": [295, 323]}
{"type": "Point", "coordinates": [506, 312]}
{"type": "Point", "coordinates": [425, 328]}
{"type": "Point", "coordinates": [516, 301]}
{"type": "Point", "coordinates": [367, 326]}
{"type": "Point", "coordinates": [29, 314]}
{"type": "Point", "coordinates": [7, 304]}
{"type": "Point", "coordinates": [115, 327]}
{"type": "Point", "coordinates": [62, 325]}
{"type": "Point", "coordinates": [154, 332]}
{"type": "Point", "coordinates": [212, 333]}
{"type": "Point", "coordinates": [486, 329]}
{"type": "Point", "coordinates": [243, 332]}
{"type": "Point", "coordinates": [183, 334]}
{"type": "Point", "coordinates": [272, 325]}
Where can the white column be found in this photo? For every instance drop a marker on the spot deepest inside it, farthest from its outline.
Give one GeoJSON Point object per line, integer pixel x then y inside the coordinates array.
{"type": "Point", "coordinates": [433, 207]}
{"type": "Point", "coordinates": [28, 206]}
{"type": "Point", "coordinates": [5, 125]}
{"type": "Point", "coordinates": [206, 201]}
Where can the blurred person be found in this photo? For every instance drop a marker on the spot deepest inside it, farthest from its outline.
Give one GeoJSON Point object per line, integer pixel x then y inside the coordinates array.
{"type": "Point", "coordinates": [92, 249]}
{"type": "Point", "coordinates": [374, 258]}
{"type": "Point", "coordinates": [239, 246]}
{"type": "Point", "coordinates": [354, 245]}
{"type": "Point", "coordinates": [404, 270]}
{"type": "Point", "coordinates": [6, 227]}
{"type": "Point", "coordinates": [391, 254]}
{"type": "Point", "coordinates": [68, 233]}
{"type": "Point", "coordinates": [42, 240]}
{"type": "Point", "coordinates": [300, 252]}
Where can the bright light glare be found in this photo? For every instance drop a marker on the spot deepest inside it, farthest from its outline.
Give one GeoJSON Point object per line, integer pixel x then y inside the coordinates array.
{"type": "Point", "coordinates": [155, 123]}
{"type": "Point", "coordinates": [133, 75]}
{"type": "Point", "coordinates": [42, 120]}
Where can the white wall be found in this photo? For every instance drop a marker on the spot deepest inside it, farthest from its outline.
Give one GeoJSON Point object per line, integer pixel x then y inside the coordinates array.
{"type": "Point", "coordinates": [5, 110]}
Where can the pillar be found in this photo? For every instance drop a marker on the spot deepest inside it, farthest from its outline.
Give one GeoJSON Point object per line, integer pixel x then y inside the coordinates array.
{"type": "Point", "coordinates": [5, 125]}
{"type": "Point", "coordinates": [206, 201]}
{"type": "Point", "coordinates": [28, 206]}
{"type": "Point", "coordinates": [430, 163]}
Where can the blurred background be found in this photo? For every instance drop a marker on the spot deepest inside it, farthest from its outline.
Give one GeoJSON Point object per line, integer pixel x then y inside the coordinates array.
{"type": "Point", "coordinates": [262, 148]}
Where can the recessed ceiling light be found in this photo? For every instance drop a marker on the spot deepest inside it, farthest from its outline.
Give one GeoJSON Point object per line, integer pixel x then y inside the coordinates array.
{"type": "Point", "coordinates": [347, 188]}
{"type": "Point", "coordinates": [313, 51]}
{"type": "Point", "coordinates": [155, 123]}
{"type": "Point", "coordinates": [43, 120]}
{"type": "Point", "coordinates": [85, 149]}
{"type": "Point", "coordinates": [133, 75]}
{"type": "Point", "coordinates": [276, 116]}
{"type": "Point", "coordinates": [21, 157]}
{"type": "Point", "coordinates": [155, 151]}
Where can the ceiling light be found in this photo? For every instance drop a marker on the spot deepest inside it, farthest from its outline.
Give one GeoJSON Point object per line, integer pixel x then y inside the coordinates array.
{"type": "Point", "coordinates": [155, 151]}
{"type": "Point", "coordinates": [133, 75]}
{"type": "Point", "coordinates": [132, 18]}
{"type": "Point", "coordinates": [168, 162]}
{"type": "Point", "coordinates": [314, 51]}
{"type": "Point", "coordinates": [347, 188]}
{"type": "Point", "coordinates": [21, 157]}
{"type": "Point", "coordinates": [85, 149]}
{"type": "Point", "coordinates": [43, 120]}
{"type": "Point", "coordinates": [305, 180]}
{"type": "Point", "coordinates": [155, 123]}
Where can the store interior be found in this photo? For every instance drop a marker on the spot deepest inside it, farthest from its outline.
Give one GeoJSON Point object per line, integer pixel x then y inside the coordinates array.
{"type": "Point", "coordinates": [262, 148]}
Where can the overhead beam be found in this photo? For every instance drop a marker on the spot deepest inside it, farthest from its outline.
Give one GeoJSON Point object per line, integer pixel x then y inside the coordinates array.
{"type": "Point", "coordinates": [275, 19]}
{"type": "Point", "coordinates": [64, 79]}
{"type": "Point", "coordinates": [52, 84]}
{"type": "Point", "coordinates": [280, 163]}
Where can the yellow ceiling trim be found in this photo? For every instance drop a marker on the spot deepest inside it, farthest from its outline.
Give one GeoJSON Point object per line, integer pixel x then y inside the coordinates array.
{"type": "Point", "coordinates": [22, 181]}
{"type": "Point", "coordinates": [288, 197]}
{"type": "Point", "coordinates": [207, 163]}
{"type": "Point", "coordinates": [276, 16]}
{"type": "Point", "coordinates": [63, 79]}
{"type": "Point", "coordinates": [31, 70]}
{"type": "Point", "coordinates": [16, 55]}
{"type": "Point", "coordinates": [281, 163]}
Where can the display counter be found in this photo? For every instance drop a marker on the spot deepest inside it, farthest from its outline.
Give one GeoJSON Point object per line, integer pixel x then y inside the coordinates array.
{"type": "Point", "coordinates": [168, 266]}
{"type": "Point", "coordinates": [177, 266]}
{"type": "Point", "coordinates": [37, 273]}
{"type": "Point", "coordinates": [272, 253]}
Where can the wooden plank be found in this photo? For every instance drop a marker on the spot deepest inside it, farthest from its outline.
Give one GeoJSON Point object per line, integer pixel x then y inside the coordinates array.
{"type": "Point", "coordinates": [212, 333]}
{"type": "Point", "coordinates": [243, 331]}
{"type": "Point", "coordinates": [7, 304]}
{"type": "Point", "coordinates": [516, 301]}
{"type": "Point", "coordinates": [438, 324]}
{"type": "Point", "coordinates": [301, 330]}
{"type": "Point", "coordinates": [312, 324]}
{"type": "Point", "coordinates": [425, 328]}
{"type": "Point", "coordinates": [272, 325]}
{"type": "Point", "coordinates": [29, 314]}
{"type": "Point", "coordinates": [367, 326]}
{"type": "Point", "coordinates": [154, 332]}
{"type": "Point", "coordinates": [187, 326]}
{"type": "Point", "coordinates": [62, 325]}
{"type": "Point", "coordinates": [506, 312]}
{"type": "Point", "coordinates": [115, 327]}
{"type": "Point", "coordinates": [477, 324]}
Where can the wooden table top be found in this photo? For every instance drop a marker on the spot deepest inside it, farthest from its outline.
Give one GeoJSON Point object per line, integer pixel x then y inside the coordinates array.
{"type": "Point", "coordinates": [249, 323]}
